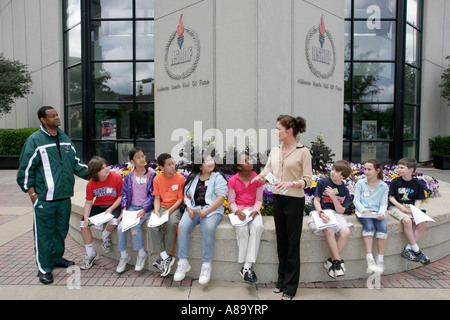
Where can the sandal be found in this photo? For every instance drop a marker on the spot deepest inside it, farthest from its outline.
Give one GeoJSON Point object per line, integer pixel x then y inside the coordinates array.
{"type": "Point", "coordinates": [277, 290]}
{"type": "Point", "coordinates": [286, 297]}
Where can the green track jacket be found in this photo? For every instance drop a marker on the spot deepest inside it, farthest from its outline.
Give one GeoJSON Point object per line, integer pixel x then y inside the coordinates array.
{"type": "Point", "coordinates": [49, 170]}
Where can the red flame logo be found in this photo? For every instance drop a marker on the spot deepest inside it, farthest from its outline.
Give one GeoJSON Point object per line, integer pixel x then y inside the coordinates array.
{"type": "Point", "coordinates": [321, 26]}
{"type": "Point", "coordinates": [180, 28]}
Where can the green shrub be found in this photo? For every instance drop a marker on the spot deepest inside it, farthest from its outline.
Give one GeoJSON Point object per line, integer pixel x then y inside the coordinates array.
{"type": "Point", "coordinates": [440, 146]}
{"type": "Point", "coordinates": [12, 140]}
{"type": "Point", "coordinates": [320, 153]}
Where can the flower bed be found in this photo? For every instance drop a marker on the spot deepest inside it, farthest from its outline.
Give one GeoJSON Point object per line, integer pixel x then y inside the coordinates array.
{"type": "Point", "coordinates": [431, 185]}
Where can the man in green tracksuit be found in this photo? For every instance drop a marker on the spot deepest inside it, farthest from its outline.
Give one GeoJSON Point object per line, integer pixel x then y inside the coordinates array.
{"type": "Point", "coordinates": [48, 163]}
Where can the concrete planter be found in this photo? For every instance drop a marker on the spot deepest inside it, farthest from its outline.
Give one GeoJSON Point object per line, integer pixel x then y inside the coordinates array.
{"type": "Point", "coordinates": [442, 162]}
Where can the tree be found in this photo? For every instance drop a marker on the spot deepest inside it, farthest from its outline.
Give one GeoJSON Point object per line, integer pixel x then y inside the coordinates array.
{"type": "Point", "coordinates": [15, 82]}
{"type": "Point", "coordinates": [445, 85]}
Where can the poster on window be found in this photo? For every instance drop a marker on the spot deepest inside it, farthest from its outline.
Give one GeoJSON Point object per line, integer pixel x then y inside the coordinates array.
{"type": "Point", "coordinates": [368, 132]}
{"type": "Point", "coordinates": [108, 129]}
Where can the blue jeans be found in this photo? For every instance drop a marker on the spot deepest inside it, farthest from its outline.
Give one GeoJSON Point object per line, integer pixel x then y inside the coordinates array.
{"type": "Point", "coordinates": [136, 232]}
{"type": "Point", "coordinates": [208, 226]}
{"type": "Point", "coordinates": [369, 226]}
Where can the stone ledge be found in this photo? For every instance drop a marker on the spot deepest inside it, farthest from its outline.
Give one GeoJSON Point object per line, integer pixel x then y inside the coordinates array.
{"type": "Point", "coordinates": [313, 249]}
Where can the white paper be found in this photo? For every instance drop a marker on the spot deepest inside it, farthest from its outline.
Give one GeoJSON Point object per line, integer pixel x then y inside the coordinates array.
{"type": "Point", "coordinates": [129, 219]}
{"type": "Point", "coordinates": [196, 209]}
{"type": "Point", "coordinates": [419, 216]}
{"type": "Point", "coordinates": [235, 221]}
{"type": "Point", "coordinates": [370, 215]}
{"type": "Point", "coordinates": [155, 221]}
{"type": "Point", "coordinates": [101, 218]}
{"type": "Point", "coordinates": [272, 179]}
{"type": "Point", "coordinates": [320, 224]}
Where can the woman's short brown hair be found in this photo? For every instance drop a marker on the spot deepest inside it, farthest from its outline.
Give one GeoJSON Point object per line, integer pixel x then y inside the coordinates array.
{"type": "Point", "coordinates": [95, 165]}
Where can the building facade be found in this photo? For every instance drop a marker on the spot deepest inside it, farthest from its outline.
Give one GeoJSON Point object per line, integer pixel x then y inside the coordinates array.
{"type": "Point", "coordinates": [363, 73]}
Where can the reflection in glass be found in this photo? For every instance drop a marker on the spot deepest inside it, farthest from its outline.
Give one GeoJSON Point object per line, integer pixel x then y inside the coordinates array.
{"type": "Point", "coordinates": [373, 10]}
{"type": "Point", "coordinates": [145, 8]}
{"type": "Point", "coordinates": [112, 40]}
{"type": "Point", "coordinates": [363, 151]}
{"type": "Point", "coordinates": [412, 45]}
{"type": "Point", "coordinates": [113, 121]}
{"type": "Point", "coordinates": [409, 149]}
{"type": "Point", "coordinates": [74, 86]}
{"type": "Point", "coordinates": [145, 126]}
{"type": "Point", "coordinates": [105, 9]}
{"type": "Point", "coordinates": [74, 116]}
{"type": "Point", "coordinates": [373, 82]}
{"type": "Point", "coordinates": [73, 51]}
{"type": "Point", "coordinates": [347, 41]}
{"type": "Point", "coordinates": [374, 44]}
{"type": "Point", "coordinates": [113, 81]}
{"type": "Point", "coordinates": [73, 13]}
{"type": "Point", "coordinates": [411, 84]}
{"type": "Point", "coordinates": [145, 40]}
{"type": "Point", "coordinates": [412, 12]}
{"type": "Point", "coordinates": [409, 122]}
{"type": "Point", "coordinates": [380, 115]}
{"type": "Point", "coordinates": [145, 81]}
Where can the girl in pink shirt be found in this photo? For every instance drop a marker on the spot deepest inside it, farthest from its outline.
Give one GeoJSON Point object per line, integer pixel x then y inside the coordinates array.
{"type": "Point", "coordinates": [245, 198]}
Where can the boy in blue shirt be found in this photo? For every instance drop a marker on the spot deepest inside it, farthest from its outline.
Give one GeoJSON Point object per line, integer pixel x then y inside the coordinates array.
{"type": "Point", "coordinates": [332, 193]}
{"type": "Point", "coordinates": [403, 192]}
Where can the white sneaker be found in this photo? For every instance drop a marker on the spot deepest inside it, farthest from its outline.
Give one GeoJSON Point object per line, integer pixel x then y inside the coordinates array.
{"type": "Point", "coordinates": [380, 266]}
{"type": "Point", "coordinates": [180, 273]}
{"type": "Point", "coordinates": [371, 266]}
{"type": "Point", "coordinates": [140, 261]}
{"type": "Point", "coordinates": [122, 264]}
{"type": "Point", "coordinates": [205, 274]}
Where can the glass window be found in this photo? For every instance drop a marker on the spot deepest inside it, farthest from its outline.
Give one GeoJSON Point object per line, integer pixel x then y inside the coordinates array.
{"type": "Point", "coordinates": [112, 40]}
{"type": "Point", "coordinates": [145, 8]}
{"type": "Point", "coordinates": [107, 150]}
{"type": "Point", "coordinates": [374, 43]}
{"type": "Point", "coordinates": [113, 81]}
{"type": "Point", "coordinates": [412, 45]}
{"type": "Point", "coordinates": [145, 39]}
{"type": "Point", "coordinates": [348, 9]}
{"type": "Point", "coordinates": [347, 121]}
{"type": "Point", "coordinates": [373, 121]}
{"type": "Point", "coordinates": [73, 42]}
{"type": "Point", "coordinates": [145, 128]}
{"type": "Point", "coordinates": [113, 121]}
{"type": "Point", "coordinates": [412, 12]}
{"type": "Point", "coordinates": [373, 10]}
{"type": "Point", "coordinates": [363, 151]}
{"type": "Point", "coordinates": [75, 121]}
{"type": "Point", "coordinates": [145, 81]}
{"type": "Point", "coordinates": [110, 9]}
{"type": "Point", "coordinates": [373, 82]}
{"type": "Point", "coordinates": [409, 149]}
{"type": "Point", "coordinates": [74, 85]}
{"type": "Point", "coordinates": [410, 122]}
{"type": "Point", "coordinates": [348, 40]}
{"type": "Point", "coordinates": [411, 84]}
{"type": "Point", "coordinates": [73, 13]}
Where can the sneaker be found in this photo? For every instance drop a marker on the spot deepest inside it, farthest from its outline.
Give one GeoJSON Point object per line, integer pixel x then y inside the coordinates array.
{"type": "Point", "coordinates": [338, 269]}
{"type": "Point", "coordinates": [327, 264]}
{"type": "Point", "coordinates": [180, 273]}
{"type": "Point", "coordinates": [88, 261]}
{"type": "Point", "coordinates": [106, 245]}
{"type": "Point", "coordinates": [205, 274]}
{"type": "Point", "coordinates": [371, 266]}
{"type": "Point", "coordinates": [122, 264]}
{"type": "Point", "coordinates": [331, 271]}
{"type": "Point", "coordinates": [409, 255]}
{"type": "Point", "coordinates": [380, 266]}
{"type": "Point", "coordinates": [249, 275]}
{"type": "Point", "coordinates": [166, 265]}
{"type": "Point", "coordinates": [140, 261]}
{"type": "Point", "coordinates": [422, 257]}
{"type": "Point", "coordinates": [158, 264]}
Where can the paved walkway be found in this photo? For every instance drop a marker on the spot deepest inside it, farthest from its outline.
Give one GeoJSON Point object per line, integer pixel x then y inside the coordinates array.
{"type": "Point", "coordinates": [18, 270]}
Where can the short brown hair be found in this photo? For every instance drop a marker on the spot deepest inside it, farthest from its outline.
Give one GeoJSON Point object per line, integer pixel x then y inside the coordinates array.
{"type": "Point", "coordinates": [95, 165]}
{"type": "Point", "coordinates": [409, 163]}
{"type": "Point", "coordinates": [343, 167]}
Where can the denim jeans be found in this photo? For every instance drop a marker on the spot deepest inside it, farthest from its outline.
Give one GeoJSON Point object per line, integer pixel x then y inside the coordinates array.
{"type": "Point", "coordinates": [369, 225]}
{"type": "Point", "coordinates": [208, 226]}
{"type": "Point", "coordinates": [136, 232]}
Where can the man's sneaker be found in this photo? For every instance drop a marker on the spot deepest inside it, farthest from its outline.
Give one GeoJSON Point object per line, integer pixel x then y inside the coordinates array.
{"type": "Point", "coordinates": [140, 261]}
{"type": "Point", "coordinates": [205, 274]}
{"type": "Point", "coordinates": [122, 264]}
{"type": "Point", "coordinates": [422, 257]}
{"type": "Point", "coordinates": [158, 264]}
{"type": "Point", "coordinates": [409, 255]}
{"type": "Point", "coordinates": [338, 269]}
{"type": "Point", "coordinates": [166, 265]}
{"type": "Point", "coordinates": [106, 245]}
{"type": "Point", "coordinates": [88, 261]}
{"type": "Point", "coordinates": [180, 273]}
{"type": "Point", "coordinates": [371, 266]}
{"type": "Point", "coordinates": [249, 275]}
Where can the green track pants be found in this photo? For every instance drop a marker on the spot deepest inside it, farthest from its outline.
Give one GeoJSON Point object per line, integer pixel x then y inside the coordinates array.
{"type": "Point", "coordinates": [51, 224]}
